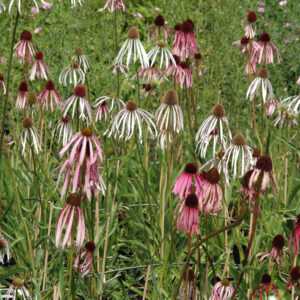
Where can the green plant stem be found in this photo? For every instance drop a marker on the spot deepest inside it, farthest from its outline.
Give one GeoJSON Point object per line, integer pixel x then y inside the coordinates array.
{"type": "Point", "coordinates": [116, 51]}
{"type": "Point", "coordinates": [71, 262]}
{"type": "Point", "coordinates": [138, 84]}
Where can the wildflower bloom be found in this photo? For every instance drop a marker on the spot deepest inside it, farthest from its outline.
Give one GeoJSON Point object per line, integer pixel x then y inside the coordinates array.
{"type": "Point", "coordinates": [64, 129]}
{"type": "Point", "coordinates": [125, 121]}
{"type": "Point", "coordinates": [155, 29]}
{"type": "Point", "coordinates": [112, 5]}
{"type": "Point", "coordinates": [295, 235]}
{"type": "Point", "coordinates": [184, 182]}
{"type": "Point", "coordinates": [133, 47]}
{"type": "Point", "coordinates": [293, 103]}
{"type": "Point", "coordinates": [102, 110]}
{"type": "Point", "coordinates": [165, 55]}
{"type": "Point", "coordinates": [185, 41]}
{"type": "Point", "coordinates": [260, 84]}
{"type": "Point", "coordinates": [30, 135]}
{"type": "Point", "coordinates": [46, 5]}
{"type": "Point", "coordinates": [188, 220]}
{"type": "Point", "coordinates": [246, 191]}
{"type": "Point", "coordinates": [222, 290]}
{"type": "Point", "coordinates": [74, 72]}
{"type": "Point", "coordinates": [169, 118]}
{"type": "Point", "coordinates": [198, 65]}
{"type": "Point", "coordinates": [2, 83]}
{"type": "Point", "coordinates": [174, 69]}
{"type": "Point", "coordinates": [3, 59]}
{"type": "Point", "coordinates": [84, 156]}
{"type": "Point", "coordinates": [285, 116]}
{"type": "Point", "coordinates": [19, 6]}
{"type": "Point", "coordinates": [243, 43]}
{"type": "Point", "coordinates": [22, 94]}
{"type": "Point", "coordinates": [189, 285]}
{"type": "Point", "coordinates": [184, 77]}
{"type": "Point", "coordinates": [283, 3]}
{"type": "Point", "coordinates": [78, 99]}
{"type": "Point", "coordinates": [87, 257]}
{"type": "Point", "coordinates": [266, 50]}
{"type": "Point", "coordinates": [48, 94]}
{"type": "Point", "coordinates": [82, 59]}
{"type": "Point", "coordinates": [151, 73]}
{"type": "Point", "coordinates": [270, 106]}
{"type": "Point", "coordinates": [39, 67]}
{"type": "Point", "coordinates": [263, 166]}
{"type": "Point", "coordinates": [276, 251]}
{"type": "Point", "coordinates": [4, 249]}
{"type": "Point", "coordinates": [264, 286]}
{"type": "Point", "coordinates": [17, 288]}
{"type": "Point", "coordinates": [212, 196]}
{"type": "Point", "coordinates": [66, 218]}
{"type": "Point", "coordinates": [250, 29]}
{"type": "Point", "coordinates": [294, 278]}
{"type": "Point", "coordinates": [25, 48]}
{"type": "Point", "coordinates": [240, 154]}
{"type": "Point", "coordinates": [261, 10]}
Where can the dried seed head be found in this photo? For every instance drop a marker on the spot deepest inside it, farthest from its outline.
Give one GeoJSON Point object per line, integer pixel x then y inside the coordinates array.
{"type": "Point", "coordinates": [198, 56]}
{"type": "Point", "coordinates": [295, 273]}
{"type": "Point", "coordinates": [49, 85]}
{"type": "Point", "coordinates": [159, 21]}
{"type": "Point", "coordinates": [177, 27]}
{"type": "Point", "coordinates": [31, 98]}
{"type": "Point", "coordinates": [252, 17]}
{"type": "Point", "coordinates": [39, 55]}
{"type": "Point", "coordinates": [246, 179]}
{"type": "Point", "coordinates": [17, 282]}
{"type": "Point", "coordinates": [78, 51]}
{"type": "Point", "coordinates": [133, 33]}
{"type": "Point", "coordinates": [131, 105]}
{"type": "Point", "coordinates": [265, 37]}
{"type": "Point", "coordinates": [278, 241]}
{"type": "Point", "coordinates": [26, 35]}
{"type": "Point", "coordinates": [225, 282]}
{"type": "Point", "coordinates": [191, 201]}
{"type": "Point", "coordinates": [256, 152]}
{"type": "Point", "coordinates": [2, 243]}
{"type": "Point", "coordinates": [79, 91]}
{"type": "Point", "coordinates": [1, 77]}
{"type": "Point", "coordinates": [218, 111]}
{"type": "Point", "coordinates": [213, 176]}
{"type": "Point", "coordinates": [191, 275]}
{"type": "Point", "coordinates": [184, 65]}
{"type": "Point", "coordinates": [190, 168]}
{"type": "Point", "coordinates": [87, 132]}
{"type": "Point", "coordinates": [23, 87]}
{"type": "Point", "coordinates": [239, 140]}
{"type": "Point", "coordinates": [27, 123]}
{"type": "Point", "coordinates": [148, 87]}
{"type": "Point", "coordinates": [170, 97]}
{"type": "Point", "coordinates": [74, 65]}
{"type": "Point", "coordinates": [264, 163]}
{"type": "Point", "coordinates": [90, 246]}
{"type": "Point", "coordinates": [177, 59]}
{"type": "Point", "coordinates": [266, 278]}
{"type": "Point", "coordinates": [187, 26]}
{"type": "Point", "coordinates": [244, 40]}
{"type": "Point", "coordinates": [263, 73]}
{"type": "Point", "coordinates": [161, 44]}
{"type": "Point", "coordinates": [66, 119]}
{"type": "Point", "coordinates": [73, 199]}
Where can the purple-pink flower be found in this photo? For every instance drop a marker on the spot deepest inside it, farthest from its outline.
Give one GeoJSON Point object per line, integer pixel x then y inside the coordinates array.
{"type": "Point", "coordinates": [25, 48]}
{"type": "Point", "coordinates": [184, 76]}
{"type": "Point", "coordinates": [101, 111]}
{"type": "Point", "coordinates": [83, 262]}
{"type": "Point", "coordinates": [294, 278]}
{"type": "Point", "coordinates": [222, 290]}
{"type": "Point", "coordinates": [261, 10]}
{"type": "Point", "coordinates": [264, 286]}
{"type": "Point", "coordinates": [39, 67]}
{"type": "Point", "coordinates": [250, 29]}
{"type": "Point", "coordinates": [66, 219]}
{"type": "Point", "coordinates": [2, 84]}
{"type": "Point", "coordinates": [159, 27]}
{"type": "Point", "coordinates": [22, 94]}
{"type": "Point", "coordinates": [38, 30]}
{"type": "Point", "coordinates": [46, 5]}
{"type": "Point", "coordinates": [295, 236]}
{"type": "Point", "coordinates": [48, 94]}
{"type": "Point", "coordinates": [283, 3]}
{"type": "Point", "coordinates": [112, 5]}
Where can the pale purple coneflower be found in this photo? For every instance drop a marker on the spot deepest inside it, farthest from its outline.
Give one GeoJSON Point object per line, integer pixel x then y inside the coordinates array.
{"type": "Point", "coordinates": [101, 112]}
{"type": "Point", "coordinates": [295, 235]}
{"type": "Point", "coordinates": [29, 135]}
{"type": "Point", "coordinates": [25, 48]}
{"type": "Point", "coordinates": [112, 5]}
{"type": "Point", "coordinates": [126, 120]}
{"type": "Point", "coordinates": [150, 73]}
{"type": "Point", "coordinates": [222, 290]}
{"type": "Point", "coordinates": [66, 219]}
{"type": "Point", "coordinates": [4, 249]}
{"type": "Point", "coordinates": [85, 152]}
{"type": "Point", "coordinates": [271, 106]}
{"type": "Point", "coordinates": [19, 6]}
{"type": "Point", "coordinates": [210, 200]}
{"type": "Point", "coordinates": [198, 64]}
{"type": "Point", "coordinates": [134, 50]}
{"type": "Point", "coordinates": [285, 117]}
{"type": "Point", "coordinates": [276, 251]}
{"type": "Point", "coordinates": [83, 262]}
{"type": "Point", "coordinates": [118, 66]}
{"type": "Point", "coordinates": [175, 69]}
{"type": "Point", "coordinates": [188, 287]}
{"type": "Point", "coordinates": [261, 85]}
{"type": "Point", "coordinates": [243, 43]}
{"type": "Point", "coordinates": [185, 77]}
{"type": "Point", "coordinates": [266, 50]}
{"type": "Point", "coordinates": [188, 220]}
{"type": "Point", "coordinates": [75, 74]}
{"type": "Point", "coordinates": [246, 191]}
{"type": "Point", "coordinates": [240, 155]}
{"type": "Point", "coordinates": [3, 59]}
{"type": "Point", "coordinates": [185, 41]}
{"type": "Point", "coordinates": [22, 94]}
{"type": "Point", "coordinates": [2, 84]}
{"type": "Point", "coordinates": [293, 103]}
{"type": "Point", "coordinates": [78, 99]}
{"type": "Point", "coordinates": [82, 59]}
{"type": "Point", "coordinates": [186, 180]}
{"type": "Point", "coordinates": [157, 28]}
{"type": "Point", "coordinates": [46, 5]}
{"type": "Point", "coordinates": [264, 286]}
{"type": "Point", "coordinates": [2, 7]}
{"type": "Point", "coordinates": [48, 94]}
{"type": "Point", "coordinates": [148, 89]}
{"type": "Point", "coordinates": [250, 29]}
{"type": "Point", "coordinates": [263, 166]}
{"type": "Point", "coordinates": [64, 129]}
{"type": "Point", "coordinates": [16, 289]}
{"type": "Point", "coordinates": [39, 67]}
{"type": "Point", "coordinates": [169, 118]}
{"type": "Point", "coordinates": [294, 278]}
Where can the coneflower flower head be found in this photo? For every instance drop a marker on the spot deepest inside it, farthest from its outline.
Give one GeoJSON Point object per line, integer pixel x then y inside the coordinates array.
{"type": "Point", "coordinates": [4, 249]}
{"type": "Point", "coordinates": [112, 5]}
{"type": "Point", "coordinates": [17, 288]}
{"type": "Point", "coordinates": [39, 68]}
{"type": "Point", "coordinates": [48, 94]}
{"type": "Point", "coordinates": [184, 76]}
{"type": "Point", "coordinates": [295, 235]}
{"type": "Point", "coordinates": [87, 256]}
{"type": "Point", "coordinates": [82, 59]}
{"type": "Point", "coordinates": [29, 134]}
{"type": "Point", "coordinates": [293, 103]}
{"type": "Point", "coordinates": [64, 129]}
{"type": "Point", "coordinates": [158, 26]}
{"type": "Point", "coordinates": [22, 93]}
{"type": "Point", "coordinates": [189, 286]}
{"type": "Point", "coordinates": [75, 74]}
{"type": "Point", "coordinates": [243, 43]}
{"type": "Point", "coordinates": [222, 290]}
{"type": "Point", "coordinates": [294, 278]}
{"type": "Point", "coordinates": [25, 48]}
{"type": "Point", "coordinates": [250, 29]}
{"type": "Point", "coordinates": [265, 285]}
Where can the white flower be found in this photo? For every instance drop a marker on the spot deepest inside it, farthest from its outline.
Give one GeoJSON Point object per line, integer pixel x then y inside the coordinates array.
{"type": "Point", "coordinates": [30, 135]}
{"type": "Point", "coordinates": [133, 47]}
{"type": "Point", "coordinates": [202, 142]}
{"type": "Point", "coordinates": [82, 59]}
{"type": "Point", "coordinates": [293, 103]}
{"type": "Point", "coordinates": [124, 122]}
{"type": "Point", "coordinates": [17, 289]}
{"type": "Point", "coordinates": [64, 129]}
{"type": "Point", "coordinates": [260, 84]}
{"type": "Point", "coordinates": [75, 74]}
